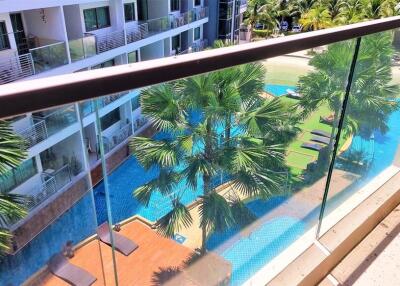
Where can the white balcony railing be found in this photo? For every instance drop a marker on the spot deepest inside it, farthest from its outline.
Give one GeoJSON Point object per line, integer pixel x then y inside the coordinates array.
{"type": "Point", "coordinates": [51, 183]}
{"type": "Point", "coordinates": [15, 68]}
{"type": "Point", "coordinates": [34, 134]}
{"type": "Point", "coordinates": [137, 33]}
{"type": "Point", "coordinates": [110, 41]}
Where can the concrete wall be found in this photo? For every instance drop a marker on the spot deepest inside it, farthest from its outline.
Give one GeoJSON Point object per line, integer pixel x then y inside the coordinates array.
{"type": "Point", "coordinates": [45, 23]}
{"type": "Point", "coordinates": [152, 51]}
{"type": "Point", "coordinates": [158, 8]}
{"type": "Point", "coordinates": [73, 22]}
{"type": "Point", "coordinates": [211, 28]}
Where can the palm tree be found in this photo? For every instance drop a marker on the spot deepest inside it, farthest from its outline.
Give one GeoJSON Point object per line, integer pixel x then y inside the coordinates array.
{"type": "Point", "coordinates": [301, 7]}
{"type": "Point", "coordinates": [376, 9]}
{"type": "Point", "coordinates": [371, 97]}
{"type": "Point", "coordinates": [351, 12]}
{"type": "Point", "coordinates": [197, 152]}
{"type": "Point", "coordinates": [316, 18]}
{"type": "Point", "coordinates": [334, 7]}
{"type": "Point", "coordinates": [261, 11]}
{"type": "Point", "coordinates": [12, 152]}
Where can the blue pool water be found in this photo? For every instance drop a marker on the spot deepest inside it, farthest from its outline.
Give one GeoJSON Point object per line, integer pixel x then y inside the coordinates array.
{"type": "Point", "coordinates": [381, 148]}
{"type": "Point", "coordinates": [248, 254]}
{"type": "Point", "coordinates": [278, 90]}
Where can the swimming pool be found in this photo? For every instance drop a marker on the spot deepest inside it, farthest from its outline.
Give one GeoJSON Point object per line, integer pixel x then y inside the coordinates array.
{"type": "Point", "coordinates": [278, 90]}
{"type": "Point", "coordinates": [250, 253]}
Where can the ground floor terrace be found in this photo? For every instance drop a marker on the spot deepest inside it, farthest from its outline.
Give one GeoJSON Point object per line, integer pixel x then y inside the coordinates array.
{"type": "Point", "coordinates": [154, 262]}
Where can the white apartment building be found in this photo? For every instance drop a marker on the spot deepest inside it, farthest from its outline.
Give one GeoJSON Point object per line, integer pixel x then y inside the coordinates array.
{"type": "Point", "coordinates": [46, 37]}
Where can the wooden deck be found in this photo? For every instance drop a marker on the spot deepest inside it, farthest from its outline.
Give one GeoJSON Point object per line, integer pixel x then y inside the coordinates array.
{"type": "Point", "coordinates": [139, 268]}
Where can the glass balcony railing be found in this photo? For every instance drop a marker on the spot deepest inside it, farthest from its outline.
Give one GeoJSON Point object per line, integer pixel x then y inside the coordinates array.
{"type": "Point", "coordinates": [54, 121]}
{"type": "Point", "coordinates": [240, 164]}
{"type": "Point", "coordinates": [49, 56]}
{"type": "Point", "coordinates": [82, 48]}
{"type": "Point", "coordinates": [51, 183]}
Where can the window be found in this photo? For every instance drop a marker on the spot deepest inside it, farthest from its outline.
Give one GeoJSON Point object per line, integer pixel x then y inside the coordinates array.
{"type": "Point", "coordinates": [135, 102]}
{"type": "Point", "coordinates": [196, 35]}
{"type": "Point", "coordinates": [132, 57]}
{"type": "Point", "coordinates": [129, 9]}
{"type": "Point", "coordinates": [174, 5]}
{"type": "Point", "coordinates": [110, 119]}
{"type": "Point", "coordinates": [225, 10]}
{"type": "Point", "coordinates": [176, 43]}
{"type": "Point", "coordinates": [4, 42]}
{"type": "Point", "coordinates": [197, 2]}
{"type": "Point", "coordinates": [96, 18]}
{"type": "Point", "coordinates": [106, 64]}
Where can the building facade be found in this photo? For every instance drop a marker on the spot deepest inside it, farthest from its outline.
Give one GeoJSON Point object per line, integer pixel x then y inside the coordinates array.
{"type": "Point", "coordinates": [225, 17]}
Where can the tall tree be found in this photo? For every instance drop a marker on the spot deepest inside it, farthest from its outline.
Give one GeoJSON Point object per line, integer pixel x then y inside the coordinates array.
{"type": "Point", "coordinates": [371, 97]}
{"type": "Point", "coordinates": [229, 138]}
{"type": "Point", "coordinates": [316, 18]}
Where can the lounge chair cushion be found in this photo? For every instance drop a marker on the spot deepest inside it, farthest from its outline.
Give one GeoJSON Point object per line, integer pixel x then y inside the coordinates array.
{"type": "Point", "coordinates": [74, 275]}
{"type": "Point", "coordinates": [121, 243]}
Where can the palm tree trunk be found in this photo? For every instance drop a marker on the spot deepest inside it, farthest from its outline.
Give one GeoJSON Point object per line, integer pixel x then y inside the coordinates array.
{"type": "Point", "coordinates": [206, 181]}
{"type": "Point", "coordinates": [227, 129]}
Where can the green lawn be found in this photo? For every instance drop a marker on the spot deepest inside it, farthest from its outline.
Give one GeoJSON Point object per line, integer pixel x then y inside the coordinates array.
{"type": "Point", "coordinates": [298, 157]}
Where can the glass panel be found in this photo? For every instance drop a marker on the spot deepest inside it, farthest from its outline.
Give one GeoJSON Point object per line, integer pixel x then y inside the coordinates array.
{"type": "Point", "coordinates": [48, 57]}
{"type": "Point", "coordinates": [89, 45]}
{"type": "Point", "coordinates": [174, 5]}
{"type": "Point", "coordinates": [90, 19]}
{"type": "Point", "coordinates": [207, 152]}
{"type": "Point", "coordinates": [133, 57]}
{"type": "Point", "coordinates": [56, 120]}
{"type": "Point", "coordinates": [129, 9]}
{"type": "Point", "coordinates": [196, 34]}
{"type": "Point", "coordinates": [76, 50]}
{"type": "Point", "coordinates": [221, 171]}
{"type": "Point", "coordinates": [4, 42]}
{"type": "Point", "coordinates": [51, 217]}
{"type": "Point", "coordinates": [16, 176]}
{"type": "Point", "coordinates": [103, 17]}
{"type": "Point", "coordinates": [110, 119]}
{"type": "Point", "coordinates": [370, 137]}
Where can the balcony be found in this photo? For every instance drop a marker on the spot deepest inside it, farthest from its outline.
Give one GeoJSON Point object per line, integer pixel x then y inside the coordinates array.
{"type": "Point", "coordinates": [51, 182]}
{"type": "Point", "coordinates": [48, 123]}
{"type": "Point", "coordinates": [117, 137]}
{"type": "Point", "coordinates": [258, 164]}
{"type": "Point", "coordinates": [48, 56]}
{"type": "Point", "coordinates": [82, 48]}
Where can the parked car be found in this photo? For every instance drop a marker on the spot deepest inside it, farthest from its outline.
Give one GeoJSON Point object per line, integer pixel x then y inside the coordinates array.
{"type": "Point", "coordinates": [296, 28]}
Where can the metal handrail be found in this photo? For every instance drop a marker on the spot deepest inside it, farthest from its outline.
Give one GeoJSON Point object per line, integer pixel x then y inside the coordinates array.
{"type": "Point", "coordinates": [27, 96]}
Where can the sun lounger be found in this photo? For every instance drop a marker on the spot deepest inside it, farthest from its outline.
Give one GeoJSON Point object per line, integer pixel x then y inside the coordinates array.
{"type": "Point", "coordinates": [320, 139]}
{"type": "Point", "coordinates": [74, 275]}
{"type": "Point", "coordinates": [293, 94]}
{"type": "Point", "coordinates": [121, 243]}
{"type": "Point", "coordinates": [321, 133]}
{"type": "Point", "coordinates": [312, 146]}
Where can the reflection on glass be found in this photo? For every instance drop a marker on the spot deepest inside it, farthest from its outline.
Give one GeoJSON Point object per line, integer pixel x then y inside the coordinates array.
{"type": "Point", "coordinates": [370, 135]}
